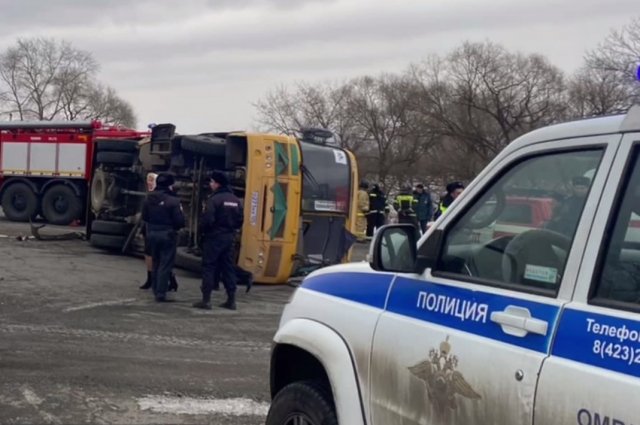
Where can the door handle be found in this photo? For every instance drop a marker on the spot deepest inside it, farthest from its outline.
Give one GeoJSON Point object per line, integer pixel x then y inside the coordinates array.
{"type": "Point", "coordinates": [517, 321]}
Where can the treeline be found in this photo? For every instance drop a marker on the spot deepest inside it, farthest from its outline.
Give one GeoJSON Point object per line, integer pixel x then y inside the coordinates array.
{"type": "Point", "coordinates": [445, 118]}
{"type": "Point", "coordinates": [46, 79]}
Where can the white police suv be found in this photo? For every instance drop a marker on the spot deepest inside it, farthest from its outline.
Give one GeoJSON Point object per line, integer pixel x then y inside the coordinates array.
{"type": "Point", "coordinates": [474, 325]}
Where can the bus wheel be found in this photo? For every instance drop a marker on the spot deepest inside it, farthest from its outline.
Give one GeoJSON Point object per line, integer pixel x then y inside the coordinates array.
{"type": "Point", "coordinates": [19, 202]}
{"type": "Point", "coordinates": [60, 205]}
{"type": "Point", "coordinates": [123, 159]}
{"type": "Point", "coordinates": [204, 145]}
{"type": "Point", "coordinates": [111, 227]}
{"type": "Point", "coordinates": [117, 145]}
{"type": "Point", "coordinates": [108, 242]}
{"type": "Point", "coordinates": [99, 187]}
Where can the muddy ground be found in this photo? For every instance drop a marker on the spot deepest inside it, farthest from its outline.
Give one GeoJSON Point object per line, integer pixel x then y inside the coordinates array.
{"type": "Point", "coordinates": [81, 344]}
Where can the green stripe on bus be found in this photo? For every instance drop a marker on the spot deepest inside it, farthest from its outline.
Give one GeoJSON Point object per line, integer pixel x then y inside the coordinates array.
{"type": "Point", "coordinates": [295, 160]}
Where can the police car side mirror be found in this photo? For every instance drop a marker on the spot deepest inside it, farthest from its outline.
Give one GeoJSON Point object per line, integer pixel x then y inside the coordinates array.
{"type": "Point", "coordinates": [429, 251]}
{"type": "Point", "coordinates": [393, 249]}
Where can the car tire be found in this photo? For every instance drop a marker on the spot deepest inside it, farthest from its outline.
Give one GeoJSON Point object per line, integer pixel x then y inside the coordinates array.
{"type": "Point", "coordinates": [204, 145]}
{"type": "Point", "coordinates": [109, 242]}
{"type": "Point", "coordinates": [19, 202]}
{"type": "Point", "coordinates": [111, 227]}
{"type": "Point", "coordinates": [61, 205]}
{"type": "Point", "coordinates": [302, 402]}
{"type": "Point", "coordinates": [124, 159]}
{"type": "Point", "coordinates": [123, 145]}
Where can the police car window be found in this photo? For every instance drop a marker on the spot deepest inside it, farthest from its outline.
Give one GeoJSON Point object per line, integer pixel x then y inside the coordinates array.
{"type": "Point", "coordinates": [618, 280]}
{"type": "Point", "coordinates": [518, 232]}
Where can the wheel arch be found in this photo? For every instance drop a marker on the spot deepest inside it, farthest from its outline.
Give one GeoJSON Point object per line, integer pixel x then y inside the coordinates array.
{"type": "Point", "coordinates": [66, 182]}
{"type": "Point", "coordinates": [13, 180]}
{"type": "Point", "coordinates": [317, 352]}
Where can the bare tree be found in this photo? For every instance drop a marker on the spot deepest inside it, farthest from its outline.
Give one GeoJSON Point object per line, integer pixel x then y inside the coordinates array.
{"type": "Point", "coordinates": [481, 97]}
{"type": "Point", "coordinates": [46, 79]}
{"type": "Point", "coordinates": [595, 91]}
{"type": "Point", "coordinates": [104, 104]}
{"type": "Point", "coordinates": [616, 60]}
{"type": "Point", "coordinates": [392, 139]}
{"type": "Point", "coordinates": [39, 71]}
{"type": "Point", "coordinates": [322, 105]}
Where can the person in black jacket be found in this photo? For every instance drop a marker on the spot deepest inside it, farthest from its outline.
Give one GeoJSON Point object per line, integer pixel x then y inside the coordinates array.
{"type": "Point", "coordinates": [173, 282]}
{"type": "Point", "coordinates": [163, 217]}
{"type": "Point", "coordinates": [377, 207]}
{"type": "Point", "coordinates": [221, 219]}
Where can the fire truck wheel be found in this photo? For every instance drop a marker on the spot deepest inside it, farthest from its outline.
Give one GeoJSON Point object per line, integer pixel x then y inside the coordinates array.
{"type": "Point", "coordinates": [117, 145]}
{"type": "Point", "coordinates": [204, 145]}
{"type": "Point", "coordinates": [110, 227]}
{"type": "Point", "coordinates": [61, 205]}
{"type": "Point", "coordinates": [110, 242]}
{"type": "Point", "coordinates": [124, 159]}
{"type": "Point", "coordinates": [19, 202]}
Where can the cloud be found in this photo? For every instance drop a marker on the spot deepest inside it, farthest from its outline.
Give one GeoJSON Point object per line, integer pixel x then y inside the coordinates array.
{"type": "Point", "coordinates": [238, 49]}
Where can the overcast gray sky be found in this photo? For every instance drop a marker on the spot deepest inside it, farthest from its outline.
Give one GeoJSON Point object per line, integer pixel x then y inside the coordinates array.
{"type": "Point", "coordinates": [202, 63]}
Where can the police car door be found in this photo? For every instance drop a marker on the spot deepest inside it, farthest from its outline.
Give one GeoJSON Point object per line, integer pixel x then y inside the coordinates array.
{"type": "Point", "coordinates": [464, 342]}
{"type": "Point", "coordinates": [593, 375]}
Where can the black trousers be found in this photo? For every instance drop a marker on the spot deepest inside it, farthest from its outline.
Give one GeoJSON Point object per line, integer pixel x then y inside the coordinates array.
{"type": "Point", "coordinates": [162, 246]}
{"type": "Point", "coordinates": [408, 218]}
{"type": "Point", "coordinates": [375, 220]}
{"type": "Point", "coordinates": [217, 263]}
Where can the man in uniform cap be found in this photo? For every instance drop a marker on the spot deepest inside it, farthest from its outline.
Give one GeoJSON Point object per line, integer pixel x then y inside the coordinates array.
{"type": "Point", "coordinates": [163, 217]}
{"type": "Point", "coordinates": [454, 189]}
{"type": "Point", "coordinates": [221, 219]}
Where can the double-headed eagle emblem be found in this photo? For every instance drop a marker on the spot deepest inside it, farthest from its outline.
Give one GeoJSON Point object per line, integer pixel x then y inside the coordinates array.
{"type": "Point", "coordinates": [443, 381]}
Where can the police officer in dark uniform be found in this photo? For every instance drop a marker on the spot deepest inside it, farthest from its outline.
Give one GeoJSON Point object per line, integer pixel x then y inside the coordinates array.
{"type": "Point", "coordinates": [163, 217]}
{"type": "Point", "coordinates": [221, 219]}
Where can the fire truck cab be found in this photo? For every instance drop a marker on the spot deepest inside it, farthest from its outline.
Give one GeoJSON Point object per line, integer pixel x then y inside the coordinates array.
{"type": "Point", "coordinates": [46, 166]}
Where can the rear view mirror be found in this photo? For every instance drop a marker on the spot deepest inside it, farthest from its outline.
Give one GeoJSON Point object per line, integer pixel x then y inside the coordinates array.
{"type": "Point", "coordinates": [393, 249]}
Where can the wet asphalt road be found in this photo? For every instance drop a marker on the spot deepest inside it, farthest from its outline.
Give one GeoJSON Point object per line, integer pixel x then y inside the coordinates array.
{"type": "Point", "coordinates": [80, 343]}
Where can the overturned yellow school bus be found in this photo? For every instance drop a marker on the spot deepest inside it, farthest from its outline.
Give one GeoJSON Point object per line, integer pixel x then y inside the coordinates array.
{"type": "Point", "coordinates": [299, 196]}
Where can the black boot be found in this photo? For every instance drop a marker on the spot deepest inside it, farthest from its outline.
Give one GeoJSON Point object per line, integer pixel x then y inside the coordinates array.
{"type": "Point", "coordinates": [205, 304]}
{"type": "Point", "coordinates": [147, 284]}
{"type": "Point", "coordinates": [202, 305]}
{"type": "Point", "coordinates": [173, 283]}
{"type": "Point", "coordinates": [249, 282]}
{"type": "Point", "coordinates": [230, 303]}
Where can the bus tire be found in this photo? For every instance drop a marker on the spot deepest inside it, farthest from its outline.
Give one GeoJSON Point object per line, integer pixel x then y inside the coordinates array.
{"type": "Point", "coordinates": [204, 145]}
{"type": "Point", "coordinates": [108, 242]}
{"type": "Point", "coordinates": [98, 191]}
{"type": "Point", "coordinates": [302, 402]}
{"type": "Point", "coordinates": [110, 227]}
{"type": "Point", "coordinates": [108, 145]}
{"type": "Point", "coordinates": [187, 260]}
{"type": "Point", "coordinates": [124, 159]}
{"type": "Point", "coordinates": [61, 205]}
{"type": "Point", "coordinates": [19, 202]}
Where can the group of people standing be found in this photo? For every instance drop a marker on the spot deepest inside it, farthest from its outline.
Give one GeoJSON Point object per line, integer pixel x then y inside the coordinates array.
{"type": "Point", "coordinates": [221, 220]}
{"type": "Point", "coordinates": [412, 204]}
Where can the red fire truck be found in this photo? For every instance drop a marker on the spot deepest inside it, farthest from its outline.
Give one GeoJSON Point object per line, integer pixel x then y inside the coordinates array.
{"type": "Point", "coordinates": [46, 166]}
